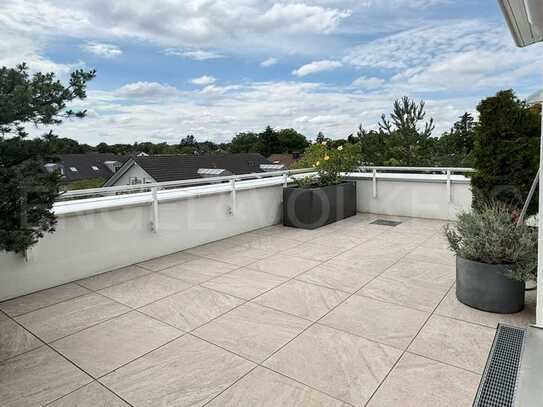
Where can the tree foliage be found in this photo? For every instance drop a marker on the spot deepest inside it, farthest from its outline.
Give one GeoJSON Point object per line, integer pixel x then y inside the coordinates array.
{"type": "Point", "coordinates": [403, 139]}
{"type": "Point", "coordinates": [506, 151]}
{"type": "Point", "coordinates": [27, 190]}
{"type": "Point", "coordinates": [268, 142]}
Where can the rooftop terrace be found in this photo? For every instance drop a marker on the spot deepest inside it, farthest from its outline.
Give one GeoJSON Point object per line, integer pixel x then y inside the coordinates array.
{"type": "Point", "coordinates": [351, 314]}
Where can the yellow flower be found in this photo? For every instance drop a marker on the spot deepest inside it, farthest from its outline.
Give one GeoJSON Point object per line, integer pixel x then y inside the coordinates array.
{"type": "Point", "coordinates": [326, 157]}
{"type": "Point", "coordinates": [318, 163]}
{"type": "Point", "coordinates": [340, 148]}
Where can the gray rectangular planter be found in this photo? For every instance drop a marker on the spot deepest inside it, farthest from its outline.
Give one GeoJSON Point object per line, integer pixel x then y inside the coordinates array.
{"type": "Point", "coordinates": [311, 208]}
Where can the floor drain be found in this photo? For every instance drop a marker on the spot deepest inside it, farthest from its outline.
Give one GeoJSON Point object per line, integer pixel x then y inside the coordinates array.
{"type": "Point", "coordinates": [499, 381]}
{"type": "Point", "coordinates": [384, 222]}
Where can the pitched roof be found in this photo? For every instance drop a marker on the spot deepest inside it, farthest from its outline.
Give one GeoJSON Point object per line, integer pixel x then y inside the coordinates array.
{"type": "Point", "coordinates": [286, 159]}
{"type": "Point", "coordinates": [84, 163]}
{"type": "Point", "coordinates": [180, 167]}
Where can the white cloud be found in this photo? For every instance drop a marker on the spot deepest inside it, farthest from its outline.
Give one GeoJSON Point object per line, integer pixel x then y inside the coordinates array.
{"type": "Point", "coordinates": [218, 113]}
{"type": "Point", "coordinates": [317, 66]}
{"type": "Point", "coordinates": [368, 83]}
{"type": "Point", "coordinates": [102, 49]}
{"type": "Point", "coordinates": [145, 90]}
{"type": "Point", "coordinates": [197, 55]}
{"type": "Point", "coordinates": [269, 62]}
{"type": "Point", "coordinates": [204, 80]}
{"type": "Point", "coordinates": [193, 24]}
{"type": "Point", "coordinates": [454, 56]}
{"type": "Point", "coordinates": [17, 49]}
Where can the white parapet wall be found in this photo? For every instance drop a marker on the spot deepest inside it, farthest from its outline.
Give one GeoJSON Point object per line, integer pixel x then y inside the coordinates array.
{"type": "Point", "coordinates": [96, 235]}
{"type": "Point", "coordinates": [416, 195]}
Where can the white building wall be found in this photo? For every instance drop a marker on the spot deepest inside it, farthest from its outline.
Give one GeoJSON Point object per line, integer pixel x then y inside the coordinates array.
{"type": "Point", "coordinates": [414, 198]}
{"type": "Point", "coordinates": [98, 235]}
{"type": "Point", "coordinates": [94, 242]}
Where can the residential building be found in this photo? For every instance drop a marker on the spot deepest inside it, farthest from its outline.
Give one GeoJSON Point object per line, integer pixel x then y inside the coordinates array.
{"type": "Point", "coordinates": [287, 159]}
{"type": "Point", "coordinates": [88, 166]}
{"type": "Point", "coordinates": [162, 168]}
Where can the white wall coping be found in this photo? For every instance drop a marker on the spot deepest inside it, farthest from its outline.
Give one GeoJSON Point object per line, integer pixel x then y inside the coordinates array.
{"type": "Point", "coordinates": [440, 178]}
{"type": "Point", "coordinates": [78, 206]}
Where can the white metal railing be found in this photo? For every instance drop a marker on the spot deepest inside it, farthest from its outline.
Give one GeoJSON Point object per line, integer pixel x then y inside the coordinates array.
{"type": "Point", "coordinates": [122, 189]}
{"type": "Point", "coordinates": [447, 171]}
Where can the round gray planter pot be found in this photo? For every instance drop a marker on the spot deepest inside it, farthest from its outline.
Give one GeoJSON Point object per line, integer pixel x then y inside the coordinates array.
{"type": "Point", "coordinates": [485, 287]}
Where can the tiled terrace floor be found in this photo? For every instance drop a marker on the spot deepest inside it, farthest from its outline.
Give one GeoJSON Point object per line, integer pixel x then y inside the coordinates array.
{"type": "Point", "coordinates": [351, 314]}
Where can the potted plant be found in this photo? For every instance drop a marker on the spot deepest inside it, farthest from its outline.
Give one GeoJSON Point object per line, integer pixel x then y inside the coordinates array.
{"type": "Point", "coordinates": [494, 258]}
{"type": "Point", "coordinates": [325, 197]}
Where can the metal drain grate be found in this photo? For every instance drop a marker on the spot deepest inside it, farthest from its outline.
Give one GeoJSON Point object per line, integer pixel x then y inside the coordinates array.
{"type": "Point", "coordinates": [499, 381]}
{"type": "Point", "coordinates": [384, 222]}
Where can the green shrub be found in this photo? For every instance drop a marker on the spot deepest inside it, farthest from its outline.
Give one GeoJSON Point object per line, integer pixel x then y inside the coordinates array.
{"type": "Point", "coordinates": [329, 162]}
{"type": "Point", "coordinates": [490, 235]}
{"type": "Point", "coordinates": [506, 151]}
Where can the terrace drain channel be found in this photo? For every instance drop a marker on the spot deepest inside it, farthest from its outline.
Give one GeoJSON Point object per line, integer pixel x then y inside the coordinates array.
{"type": "Point", "coordinates": [384, 222]}
{"type": "Point", "coordinates": [500, 379]}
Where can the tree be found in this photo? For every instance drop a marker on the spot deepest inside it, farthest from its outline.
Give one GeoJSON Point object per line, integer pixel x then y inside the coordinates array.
{"type": "Point", "coordinates": [506, 151]}
{"type": "Point", "coordinates": [404, 139]}
{"type": "Point", "coordinates": [455, 147]}
{"type": "Point", "coordinates": [245, 143]}
{"type": "Point", "coordinates": [291, 141]}
{"type": "Point", "coordinates": [27, 190]}
{"type": "Point", "coordinates": [269, 141]}
{"type": "Point", "coordinates": [189, 140]}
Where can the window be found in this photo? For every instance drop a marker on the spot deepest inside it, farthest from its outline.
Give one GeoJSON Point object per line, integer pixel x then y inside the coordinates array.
{"type": "Point", "coordinates": [95, 168]}
{"type": "Point", "coordinates": [73, 169]}
{"type": "Point", "coordinates": [134, 181]}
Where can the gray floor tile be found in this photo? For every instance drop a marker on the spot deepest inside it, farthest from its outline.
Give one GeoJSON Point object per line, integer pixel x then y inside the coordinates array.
{"type": "Point", "coordinates": [252, 331]}
{"type": "Point", "coordinates": [414, 284]}
{"type": "Point", "coordinates": [92, 395]}
{"type": "Point", "coordinates": [345, 366]}
{"type": "Point", "coordinates": [40, 299]}
{"type": "Point", "coordinates": [432, 255]}
{"type": "Point", "coordinates": [186, 372]}
{"type": "Point", "coordinates": [245, 283]}
{"type": "Point", "coordinates": [451, 307]}
{"type": "Point", "coordinates": [38, 377]}
{"type": "Point", "coordinates": [264, 388]}
{"type": "Point", "coordinates": [390, 324]}
{"type": "Point", "coordinates": [341, 276]}
{"type": "Point", "coordinates": [191, 308]}
{"type": "Point", "coordinates": [110, 278]}
{"type": "Point", "coordinates": [144, 290]}
{"type": "Point", "coordinates": [161, 263]}
{"type": "Point", "coordinates": [312, 251]}
{"type": "Point", "coordinates": [199, 270]}
{"type": "Point", "coordinates": [59, 320]}
{"type": "Point", "coordinates": [304, 300]}
{"type": "Point", "coordinates": [457, 343]}
{"type": "Point", "coordinates": [14, 340]}
{"type": "Point", "coordinates": [282, 265]}
{"type": "Point", "coordinates": [103, 348]}
{"type": "Point", "coordinates": [420, 382]}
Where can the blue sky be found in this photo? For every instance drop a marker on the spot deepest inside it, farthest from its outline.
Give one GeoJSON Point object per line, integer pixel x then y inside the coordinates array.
{"type": "Point", "coordinates": [212, 68]}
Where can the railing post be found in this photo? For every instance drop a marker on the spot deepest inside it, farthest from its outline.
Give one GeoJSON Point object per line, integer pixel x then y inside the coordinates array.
{"type": "Point", "coordinates": [154, 193]}
{"type": "Point", "coordinates": [374, 181]}
{"type": "Point", "coordinates": [285, 180]}
{"type": "Point", "coordinates": [233, 193]}
{"type": "Point", "coordinates": [449, 189]}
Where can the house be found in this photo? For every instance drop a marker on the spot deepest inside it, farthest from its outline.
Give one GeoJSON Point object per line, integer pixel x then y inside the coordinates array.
{"type": "Point", "coordinates": [162, 168]}
{"type": "Point", "coordinates": [288, 159]}
{"type": "Point", "coordinates": [84, 167]}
